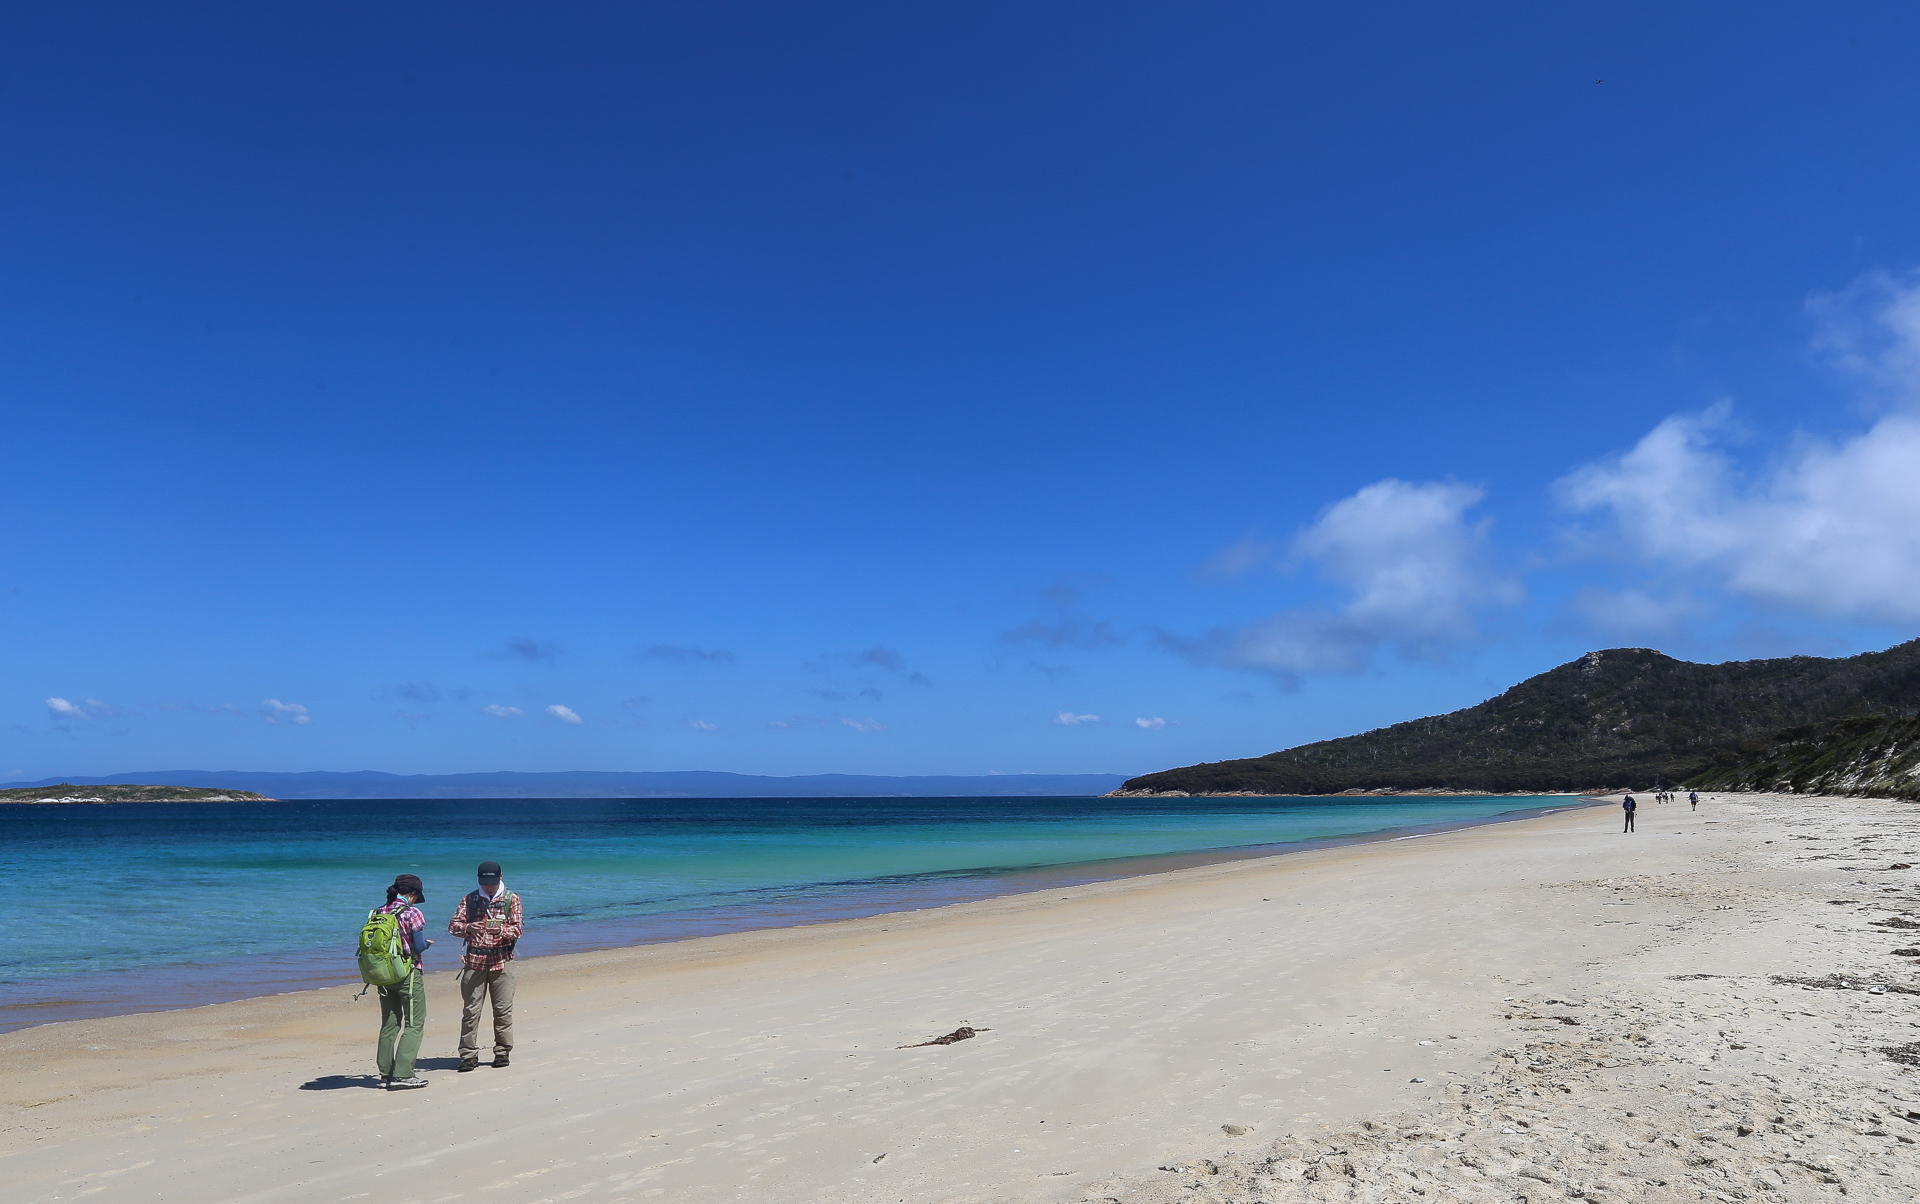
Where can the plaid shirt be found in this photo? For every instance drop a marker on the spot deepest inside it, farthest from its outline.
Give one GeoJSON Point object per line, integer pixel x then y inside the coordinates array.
{"type": "Point", "coordinates": [410, 923]}
{"type": "Point", "coordinates": [488, 950]}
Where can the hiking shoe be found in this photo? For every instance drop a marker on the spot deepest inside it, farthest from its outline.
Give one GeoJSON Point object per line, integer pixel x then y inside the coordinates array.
{"type": "Point", "coordinates": [467, 1064]}
{"type": "Point", "coordinates": [406, 1084]}
{"type": "Point", "coordinates": [499, 1060]}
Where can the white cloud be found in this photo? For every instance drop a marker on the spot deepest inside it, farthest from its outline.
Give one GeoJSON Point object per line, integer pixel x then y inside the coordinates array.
{"type": "Point", "coordinates": [1831, 528]}
{"type": "Point", "coordinates": [864, 725]}
{"type": "Point", "coordinates": [1069, 719]}
{"type": "Point", "coordinates": [275, 711]}
{"type": "Point", "coordinates": [1413, 567]}
{"type": "Point", "coordinates": [60, 708]}
{"type": "Point", "coordinates": [1152, 725]}
{"type": "Point", "coordinates": [1828, 527]}
{"type": "Point", "coordinates": [565, 714]}
{"type": "Point", "coordinates": [701, 725]}
{"type": "Point", "coordinates": [500, 712]}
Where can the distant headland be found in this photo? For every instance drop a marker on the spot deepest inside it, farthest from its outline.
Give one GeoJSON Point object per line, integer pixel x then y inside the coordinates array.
{"type": "Point", "coordinates": [66, 792]}
{"type": "Point", "coordinates": [196, 785]}
{"type": "Point", "coordinates": [1622, 718]}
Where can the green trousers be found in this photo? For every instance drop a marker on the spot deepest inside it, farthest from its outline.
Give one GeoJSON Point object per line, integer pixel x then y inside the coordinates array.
{"type": "Point", "coordinates": [403, 1022]}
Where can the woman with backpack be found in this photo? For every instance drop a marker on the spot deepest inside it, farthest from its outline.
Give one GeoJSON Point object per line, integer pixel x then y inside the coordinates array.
{"type": "Point", "coordinates": [403, 1006]}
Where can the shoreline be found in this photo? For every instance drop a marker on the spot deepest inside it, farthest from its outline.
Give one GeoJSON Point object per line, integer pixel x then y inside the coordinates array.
{"type": "Point", "coordinates": [179, 986]}
{"type": "Point", "coordinates": [1513, 1008]}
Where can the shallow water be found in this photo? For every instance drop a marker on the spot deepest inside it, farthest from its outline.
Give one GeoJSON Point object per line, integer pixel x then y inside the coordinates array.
{"type": "Point", "coordinates": [141, 906]}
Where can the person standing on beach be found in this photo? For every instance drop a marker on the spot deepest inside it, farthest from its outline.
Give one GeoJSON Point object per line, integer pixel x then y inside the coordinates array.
{"type": "Point", "coordinates": [489, 921]}
{"type": "Point", "coordinates": [1693, 797]}
{"type": "Point", "coordinates": [403, 1006]}
{"type": "Point", "coordinates": [1629, 806]}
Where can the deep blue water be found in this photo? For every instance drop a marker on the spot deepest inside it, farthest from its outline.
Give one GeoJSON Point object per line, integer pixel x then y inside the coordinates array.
{"type": "Point", "coordinates": [173, 904]}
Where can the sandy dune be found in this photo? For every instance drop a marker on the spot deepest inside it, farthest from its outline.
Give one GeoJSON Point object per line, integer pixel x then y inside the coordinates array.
{"type": "Point", "coordinates": [1376, 1017]}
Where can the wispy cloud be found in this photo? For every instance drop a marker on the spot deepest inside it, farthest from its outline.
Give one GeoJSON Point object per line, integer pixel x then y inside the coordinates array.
{"type": "Point", "coordinates": [501, 712]}
{"type": "Point", "coordinates": [1066, 633]}
{"type": "Point", "coordinates": [1069, 719]}
{"type": "Point", "coordinates": [1634, 614]}
{"type": "Point", "coordinates": [181, 704]}
{"type": "Point", "coordinates": [421, 691]}
{"type": "Point", "coordinates": [701, 725]}
{"type": "Point", "coordinates": [525, 648]}
{"type": "Point", "coordinates": [680, 654]}
{"type": "Point", "coordinates": [565, 714]}
{"type": "Point", "coordinates": [60, 708]}
{"type": "Point", "coordinates": [1238, 559]}
{"type": "Point", "coordinates": [1414, 569]}
{"type": "Point", "coordinates": [869, 694]}
{"type": "Point", "coordinates": [276, 712]}
{"type": "Point", "coordinates": [1152, 725]}
{"type": "Point", "coordinates": [887, 660]}
{"type": "Point", "coordinates": [796, 724]}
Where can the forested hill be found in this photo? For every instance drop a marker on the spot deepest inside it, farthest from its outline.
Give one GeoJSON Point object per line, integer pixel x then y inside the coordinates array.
{"type": "Point", "coordinates": [1622, 717]}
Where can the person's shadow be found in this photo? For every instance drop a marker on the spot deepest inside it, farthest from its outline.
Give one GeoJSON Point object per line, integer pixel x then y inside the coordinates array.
{"type": "Point", "coordinates": [340, 1082]}
{"type": "Point", "coordinates": [336, 1082]}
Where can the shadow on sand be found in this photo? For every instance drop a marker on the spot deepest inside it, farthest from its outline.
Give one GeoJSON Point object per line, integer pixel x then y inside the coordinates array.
{"type": "Point", "coordinates": [341, 1082]}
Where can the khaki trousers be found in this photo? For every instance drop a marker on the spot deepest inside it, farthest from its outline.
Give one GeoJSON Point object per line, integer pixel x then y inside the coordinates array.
{"type": "Point", "coordinates": [475, 987]}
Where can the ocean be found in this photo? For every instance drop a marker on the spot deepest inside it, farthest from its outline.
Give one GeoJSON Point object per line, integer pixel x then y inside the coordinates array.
{"type": "Point", "coordinates": [148, 906]}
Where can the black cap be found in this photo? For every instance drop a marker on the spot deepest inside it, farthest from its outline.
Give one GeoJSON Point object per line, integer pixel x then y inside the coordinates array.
{"type": "Point", "coordinates": [407, 884]}
{"type": "Point", "coordinates": [489, 871]}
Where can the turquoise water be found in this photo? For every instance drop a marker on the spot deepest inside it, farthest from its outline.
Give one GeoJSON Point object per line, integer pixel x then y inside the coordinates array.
{"type": "Point", "coordinates": [204, 901]}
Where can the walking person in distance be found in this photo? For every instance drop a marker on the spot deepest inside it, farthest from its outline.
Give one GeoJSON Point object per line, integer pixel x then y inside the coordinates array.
{"type": "Point", "coordinates": [403, 1006]}
{"type": "Point", "coordinates": [1628, 806]}
{"type": "Point", "coordinates": [1693, 797]}
{"type": "Point", "coordinates": [489, 921]}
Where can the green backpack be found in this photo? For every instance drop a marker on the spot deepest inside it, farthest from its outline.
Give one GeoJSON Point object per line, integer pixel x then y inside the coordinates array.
{"type": "Point", "coordinates": [383, 955]}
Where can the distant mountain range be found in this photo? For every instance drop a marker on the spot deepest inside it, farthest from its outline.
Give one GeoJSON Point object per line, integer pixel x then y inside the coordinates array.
{"type": "Point", "coordinates": [1623, 717]}
{"type": "Point", "coordinates": [588, 784]}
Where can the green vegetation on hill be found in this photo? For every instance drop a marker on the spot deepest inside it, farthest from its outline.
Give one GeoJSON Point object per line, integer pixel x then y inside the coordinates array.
{"type": "Point", "coordinates": [64, 793]}
{"type": "Point", "coordinates": [1869, 755]}
{"type": "Point", "coordinates": [1622, 717]}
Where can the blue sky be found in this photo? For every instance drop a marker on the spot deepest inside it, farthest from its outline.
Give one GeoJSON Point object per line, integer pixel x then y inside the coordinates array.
{"type": "Point", "coordinates": [922, 389]}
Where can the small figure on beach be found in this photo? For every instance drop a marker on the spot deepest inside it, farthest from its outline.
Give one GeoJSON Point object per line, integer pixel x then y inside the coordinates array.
{"type": "Point", "coordinates": [489, 920]}
{"type": "Point", "coordinates": [1629, 806]}
{"type": "Point", "coordinates": [403, 1006]}
{"type": "Point", "coordinates": [1693, 797]}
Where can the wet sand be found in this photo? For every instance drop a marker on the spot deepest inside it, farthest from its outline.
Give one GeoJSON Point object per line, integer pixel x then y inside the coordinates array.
{"type": "Point", "coordinates": [1123, 1024]}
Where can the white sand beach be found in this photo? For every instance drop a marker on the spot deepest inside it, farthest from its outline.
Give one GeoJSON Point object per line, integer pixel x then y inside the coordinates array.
{"type": "Point", "coordinates": [1534, 1010]}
